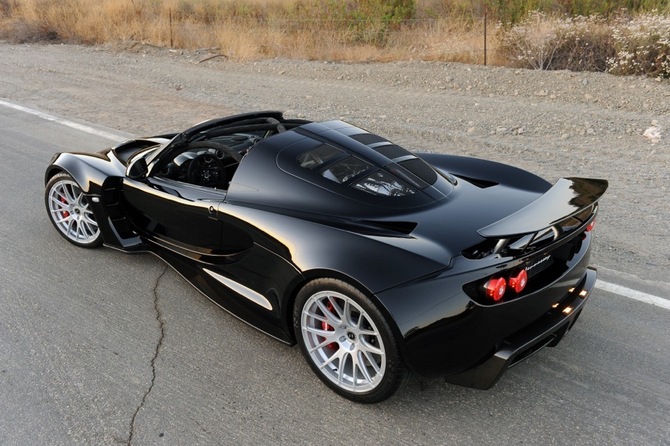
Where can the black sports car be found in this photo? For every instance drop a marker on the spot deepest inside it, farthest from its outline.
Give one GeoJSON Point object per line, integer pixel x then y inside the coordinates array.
{"type": "Point", "coordinates": [377, 261]}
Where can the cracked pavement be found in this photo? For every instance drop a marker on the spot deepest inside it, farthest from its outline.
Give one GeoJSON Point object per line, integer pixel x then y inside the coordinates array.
{"type": "Point", "coordinates": [161, 326]}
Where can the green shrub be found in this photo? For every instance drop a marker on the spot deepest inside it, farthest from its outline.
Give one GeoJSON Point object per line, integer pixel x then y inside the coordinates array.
{"type": "Point", "coordinates": [365, 21]}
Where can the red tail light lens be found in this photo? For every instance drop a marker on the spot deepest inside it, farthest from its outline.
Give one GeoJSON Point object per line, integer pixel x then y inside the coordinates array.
{"type": "Point", "coordinates": [495, 288]}
{"type": "Point", "coordinates": [518, 281]}
{"type": "Point", "coordinates": [591, 225]}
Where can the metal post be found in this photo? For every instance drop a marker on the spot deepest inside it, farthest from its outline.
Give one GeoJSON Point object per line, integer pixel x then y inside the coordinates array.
{"type": "Point", "coordinates": [485, 9]}
{"type": "Point", "coordinates": [171, 43]}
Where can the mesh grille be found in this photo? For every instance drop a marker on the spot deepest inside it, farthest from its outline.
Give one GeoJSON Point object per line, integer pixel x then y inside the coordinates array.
{"type": "Point", "coordinates": [421, 169]}
{"type": "Point", "coordinates": [368, 138]}
{"type": "Point", "coordinates": [392, 151]}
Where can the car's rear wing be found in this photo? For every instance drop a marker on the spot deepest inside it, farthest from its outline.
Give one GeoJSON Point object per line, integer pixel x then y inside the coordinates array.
{"type": "Point", "coordinates": [569, 205]}
{"type": "Point", "coordinates": [567, 198]}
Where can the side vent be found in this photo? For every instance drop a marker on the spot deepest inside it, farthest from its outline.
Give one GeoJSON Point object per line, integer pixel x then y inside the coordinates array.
{"type": "Point", "coordinates": [482, 184]}
{"type": "Point", "coordinates": [402, 227]}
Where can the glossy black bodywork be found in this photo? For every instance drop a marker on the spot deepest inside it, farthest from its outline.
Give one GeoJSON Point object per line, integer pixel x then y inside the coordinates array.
{"type": "Point", "coordinates": [268, 222]}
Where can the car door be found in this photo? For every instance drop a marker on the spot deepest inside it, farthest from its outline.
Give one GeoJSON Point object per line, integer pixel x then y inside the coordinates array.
{"type": "Point", "coordinates": [169, 211]}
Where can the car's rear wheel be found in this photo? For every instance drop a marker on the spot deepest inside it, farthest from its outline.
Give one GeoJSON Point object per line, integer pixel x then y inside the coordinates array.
{"type": "Point", "coordinates": [70, 211]}
{"type": "Point", "coordinates": [347, 341]}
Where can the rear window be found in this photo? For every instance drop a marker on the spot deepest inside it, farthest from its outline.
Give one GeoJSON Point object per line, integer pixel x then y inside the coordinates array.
{"type": "Point", "coordinates": [340, 167]}
{"type": "Point", "coordinates": [383, 183]}
{"type": "Point", "coordinates": [318, 156]}
{"type": "Point", "coordinates": [346, 169]}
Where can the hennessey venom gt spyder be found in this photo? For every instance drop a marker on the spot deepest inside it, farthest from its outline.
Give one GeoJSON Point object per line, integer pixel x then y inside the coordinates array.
{"type": "Point", "coordinates": [377, 261]}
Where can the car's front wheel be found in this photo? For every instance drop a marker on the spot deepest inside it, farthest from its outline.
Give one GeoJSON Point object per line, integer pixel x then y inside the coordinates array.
{"type": "Point", "coordinates": [70, 211]}
{"type": "Point", "coordinates": [347, 341]}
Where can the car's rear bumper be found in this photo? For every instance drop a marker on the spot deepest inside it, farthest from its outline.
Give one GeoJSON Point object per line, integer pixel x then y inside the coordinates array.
{"type": "Point", "coordinates": [546, 331]}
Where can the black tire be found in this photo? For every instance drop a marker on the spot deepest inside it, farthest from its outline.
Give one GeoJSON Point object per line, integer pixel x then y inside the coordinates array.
{"type": "Point", "coordinates": [70, 212]}
{"type": "Point", "coordinates": [347, 341]}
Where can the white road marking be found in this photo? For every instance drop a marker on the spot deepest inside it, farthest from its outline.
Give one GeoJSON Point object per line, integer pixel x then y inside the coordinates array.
{"type": "Point", "coordinates": [605, 286]}
{"type": "Point", "coordinates": [65, 122]}
{"type": "Point", "coordinates": [633, 294]}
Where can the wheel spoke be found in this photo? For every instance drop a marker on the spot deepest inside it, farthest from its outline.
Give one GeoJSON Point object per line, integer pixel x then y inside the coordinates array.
{"type": "Point", "coordinates": [63, 220]}
{"type": "Point", "coordinates": [79, 200]}
{"type": "Point", "coordinates": [318, 317]}
{"type": "Point", "coordinates": [366, 346]}
{"type": "Point", "coordinates": [356, 371]}
{"type": "Point", "coordinates": [69, 196]}
{"type": "Point", "coordinates": [365, 332]}
{"type": "Point", "coordinates": [60, 195]}
{"type": "Point", "coordinates": [55, 199]}
{"type": "Point", "coordinates": [323, 344]}
{"type": "Point", "coordinates": [78, 230]}
{"type": "Point", "coordinates": [86, 229]}
{"type": "Point", "coordinates": [333, 357]}
{"type": "Point", "coordinates": [346, 313]}
{"type": "Point", "coordinates": [59, 211]}
{"type": "Point", "coordinates": [328, 314]}
{"type": "Point", "coordinates": [336, 307]}
{"type": "Point", "coordinates": [86, 219]}
{"type": "Point", "coordinates": [343, 365]}
{"type": "Point", "coordinates": [360, 364]}
{"type": "Point", "coordinates": [372, 361]}
{"type": "Point", "coordinates": [319, 332]}
{"type": "Point", "coordinates": [70, 223]}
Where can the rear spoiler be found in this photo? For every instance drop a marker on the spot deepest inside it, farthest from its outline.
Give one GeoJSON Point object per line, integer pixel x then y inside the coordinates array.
{"type": "Point", "coordinates": [567, 198]}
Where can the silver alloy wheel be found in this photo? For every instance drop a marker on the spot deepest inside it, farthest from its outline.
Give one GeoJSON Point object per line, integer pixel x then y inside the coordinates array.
{"type": "Point", "coordinates": [343, 341]}
{"type": "Point", "coordinates": [71, 213]}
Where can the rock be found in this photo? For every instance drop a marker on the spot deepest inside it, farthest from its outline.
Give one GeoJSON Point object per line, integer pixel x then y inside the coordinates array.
{"type": "Point", "coordinates": [653, 133]}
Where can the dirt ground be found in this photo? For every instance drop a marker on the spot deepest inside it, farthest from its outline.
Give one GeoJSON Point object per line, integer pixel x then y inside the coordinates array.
{"type": "Point", "coordinates": [552, 123]}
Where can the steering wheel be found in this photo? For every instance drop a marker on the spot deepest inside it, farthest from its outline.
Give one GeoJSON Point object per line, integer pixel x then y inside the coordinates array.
{"type": "Point", "coordinates": [206, 170]}
{"type": "Point", "coordinates": [218, 146]}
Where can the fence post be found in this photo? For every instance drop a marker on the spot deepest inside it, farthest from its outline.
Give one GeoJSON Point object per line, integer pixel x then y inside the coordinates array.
{"type": "Point", "coordinates": [485, 10]}
{"type": "Point", "coordinates": [170, 12]}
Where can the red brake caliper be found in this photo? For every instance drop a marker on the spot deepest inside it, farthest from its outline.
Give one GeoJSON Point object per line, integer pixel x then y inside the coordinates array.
{"type": "Point", "coordinates": [66, 214]}
{"type": "Point", "coordinates": [327, 327]}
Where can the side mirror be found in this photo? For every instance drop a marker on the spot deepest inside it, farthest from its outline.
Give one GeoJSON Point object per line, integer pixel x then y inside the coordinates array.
{"type": "Point", "coordinates": [138, 169]}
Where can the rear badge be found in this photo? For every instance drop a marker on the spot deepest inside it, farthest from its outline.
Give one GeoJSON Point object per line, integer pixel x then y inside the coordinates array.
{"type": "Point", "coordinates": [539, 262]}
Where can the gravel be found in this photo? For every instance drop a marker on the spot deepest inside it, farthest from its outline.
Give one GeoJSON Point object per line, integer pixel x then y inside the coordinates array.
{"type": "Point", "coordinates": [553, 123]}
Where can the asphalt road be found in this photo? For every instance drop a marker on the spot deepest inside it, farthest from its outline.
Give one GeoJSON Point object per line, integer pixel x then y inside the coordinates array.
{"type": "Point", "coordinates": [98, 347]}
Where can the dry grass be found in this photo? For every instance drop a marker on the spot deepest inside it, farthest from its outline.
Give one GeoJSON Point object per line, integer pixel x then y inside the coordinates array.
{"type": "Point", "coordinates": [364, 30]}
{"type": "Point", "coordinates": [626, 45]}
{"type": "Point", "coordinates": [251, 29]}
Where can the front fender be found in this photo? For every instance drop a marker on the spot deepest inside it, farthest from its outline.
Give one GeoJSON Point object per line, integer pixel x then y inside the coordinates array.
{"type": "Point", "coordinates": [94, 173]}
{"type": "Point", "coordinates": [89, 170]}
